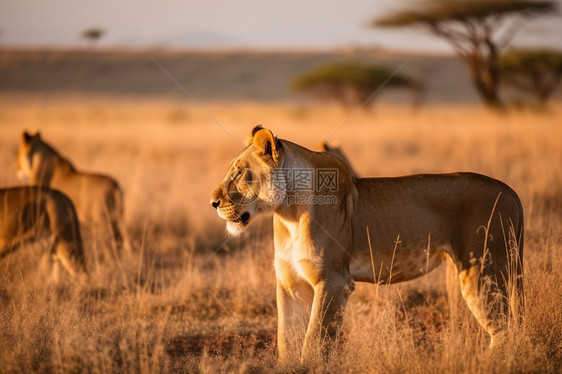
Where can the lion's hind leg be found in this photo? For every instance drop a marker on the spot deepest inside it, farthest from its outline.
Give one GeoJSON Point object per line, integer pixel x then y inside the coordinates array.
{"type": "Point", "coordinates": [458, 310]}
{"type": "Point", "coordinates": [120, 236]}
{"type": "Point", "coordinates": [64, 254]}
{"type": "Point", "coordinates": [114, 215]}
{"type": "Point", "coordinates": [485, 292]}
{"type": "Point", "coordinates": [67, 240]}
{"type": "Point", "coordinates": [491, 275]}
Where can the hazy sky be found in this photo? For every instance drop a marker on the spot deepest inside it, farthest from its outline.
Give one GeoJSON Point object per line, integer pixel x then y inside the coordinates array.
{"type": "Point", "coordinates": [221, 23]}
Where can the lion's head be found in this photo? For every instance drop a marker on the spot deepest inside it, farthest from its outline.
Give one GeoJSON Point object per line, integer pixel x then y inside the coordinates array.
{"type": "Point", "coordinates": [25, 153]}
{"type": "Point", "coordinates": [246, 189]}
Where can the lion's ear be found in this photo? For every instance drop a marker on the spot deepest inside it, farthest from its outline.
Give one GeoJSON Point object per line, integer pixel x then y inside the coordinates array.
{"type": "Point", "coordinates": [28, 137]}
{"type": "Point", "coordinates": [323, 146]}
{"type": "Point", "coordinates": [266, 143]}
{"type": "Point", "coordinates": [256, 129]}
{"type": "Point", "coordinates": [250, 139]}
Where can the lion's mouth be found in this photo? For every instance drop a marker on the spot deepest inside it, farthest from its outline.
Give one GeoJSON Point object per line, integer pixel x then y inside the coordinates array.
{"type": "Point", "coordinates": [244, 218]}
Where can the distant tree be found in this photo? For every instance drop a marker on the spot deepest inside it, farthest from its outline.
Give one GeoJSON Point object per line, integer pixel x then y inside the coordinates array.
{"type": "Point", "coordinates": [477, 30]}
{"type": "Point", "coordinates": [349, 83]}
{"type": "Point", "coordinates": [92, 35]}
{"type": "Point", "coordinates": [535, 71]}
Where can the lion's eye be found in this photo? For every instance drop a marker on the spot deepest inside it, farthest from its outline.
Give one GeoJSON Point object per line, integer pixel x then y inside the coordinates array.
{"type": "Point", "coordinates": [240, 174]}
{"type": "Point", "coordinates": [236, 173]}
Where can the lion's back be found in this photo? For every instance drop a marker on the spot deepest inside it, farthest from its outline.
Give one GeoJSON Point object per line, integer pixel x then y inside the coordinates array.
{"type": "Point", "coordinates": [96, 196]}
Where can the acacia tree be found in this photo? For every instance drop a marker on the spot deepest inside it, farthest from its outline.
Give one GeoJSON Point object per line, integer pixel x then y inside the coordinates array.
{"type": "Point", "coordinates": [92, 35]}
{"type": "Point", "coordinates": [477, 30]}
{"type": "Point", "coordinates": [535, 71]}
{"type": "Point", "coordinates": [350, 83]}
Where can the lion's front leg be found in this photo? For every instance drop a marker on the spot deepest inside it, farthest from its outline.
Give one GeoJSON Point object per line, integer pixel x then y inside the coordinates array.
{"type": "Point", "coordinates": [330, 299]}
{"type": "Point", "coordinates": [293, 306]}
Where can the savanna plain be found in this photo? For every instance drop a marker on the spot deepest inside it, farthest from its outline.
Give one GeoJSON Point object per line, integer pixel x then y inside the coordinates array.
{"type": "Point", "coordinates": [190, 299]}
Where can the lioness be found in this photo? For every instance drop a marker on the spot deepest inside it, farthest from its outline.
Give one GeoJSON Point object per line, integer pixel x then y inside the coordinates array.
{"type": "Point", "coordinates": [324, 146]}
{"type": "Point", "coordinates": [339, 229]}
{"type": "Point", "coordinates": [27, 212]}
{"type": "Point", "coordinates": [98, 198]}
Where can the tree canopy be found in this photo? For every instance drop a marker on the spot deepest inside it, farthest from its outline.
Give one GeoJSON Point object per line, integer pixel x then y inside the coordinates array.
{"type": "Point", "coordinates": [433, 12]}
{"type": "Point", "coordinates": [476, 29]}
{"type": "Point", "coordinates": [92, 35]}
{"type": "Point", "coordinates": [536, 71]}
{"type": "Point", "coordinates": [350, 83]}
{"type": "Point", "coordinates": [535, 61]}
{"type": "Point", "coordinates": [358, 75]}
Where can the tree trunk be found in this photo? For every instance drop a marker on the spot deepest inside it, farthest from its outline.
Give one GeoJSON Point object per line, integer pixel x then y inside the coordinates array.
{"type": "Point", "coordinates": [484, 72]}
{"type": "Point", "coordinates": [481, 56]}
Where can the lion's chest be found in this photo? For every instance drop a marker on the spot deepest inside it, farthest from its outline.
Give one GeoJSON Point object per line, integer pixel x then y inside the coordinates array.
{"type": "Point", "coordinates": [296, 261]}
{"type": "Point", "coordinates": [294, 264]}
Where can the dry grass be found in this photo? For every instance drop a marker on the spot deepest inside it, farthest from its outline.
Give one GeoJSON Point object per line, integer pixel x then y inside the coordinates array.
{"type": "Point", "coordinates": [169, 156]}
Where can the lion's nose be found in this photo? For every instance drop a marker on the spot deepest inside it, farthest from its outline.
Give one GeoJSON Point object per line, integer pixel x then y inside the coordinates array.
{"type": "Point", "coordinates": [216, 198]}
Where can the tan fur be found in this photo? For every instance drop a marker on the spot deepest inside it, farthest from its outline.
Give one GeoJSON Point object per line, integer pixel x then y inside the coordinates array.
{"type": "Point", "coordinates": [322, 249]}
{"type": "Point", "coordinates": [98, 198]}
{"type": "Point", "coordinates": [26, 213]}
{"type": "Point", "coordinates": [336, 151]}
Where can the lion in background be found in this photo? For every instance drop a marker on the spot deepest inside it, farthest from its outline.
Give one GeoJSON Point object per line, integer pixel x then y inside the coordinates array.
{"type": "Point", "coordinates": [378, 230]}
{"type": "Point", "coordinates": [335, 150]}
{"type": "Point", "coordinates": [98, 198]}
{"type": "Point", "coordinates": [27, 213]}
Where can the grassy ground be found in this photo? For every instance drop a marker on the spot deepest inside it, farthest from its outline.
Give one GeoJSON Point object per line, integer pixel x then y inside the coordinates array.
{"type": "Point", "coordinates": [191, 300]}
